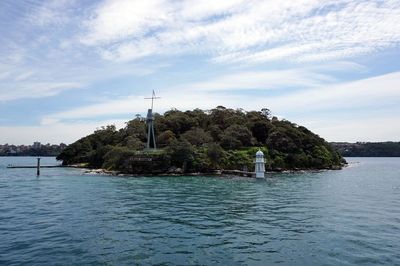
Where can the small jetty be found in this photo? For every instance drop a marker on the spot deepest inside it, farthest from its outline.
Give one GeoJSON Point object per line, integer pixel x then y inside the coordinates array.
{"type": "Point", "coordinates": [33, 166]}
{"type": "Point", "coordinates": [37, 166]}
{"type": "Point", "coordinates": [238, 172]}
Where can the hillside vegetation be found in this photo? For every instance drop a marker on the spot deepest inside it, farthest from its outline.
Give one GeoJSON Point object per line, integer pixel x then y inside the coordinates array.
{"type": "Point", "coordinates": [368, 149]}
{"type": "Point", "coordinates": [203, 141]}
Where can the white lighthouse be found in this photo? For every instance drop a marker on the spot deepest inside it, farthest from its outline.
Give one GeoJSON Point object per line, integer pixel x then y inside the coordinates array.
{"type": "Point", "coordinates": [260, 164]}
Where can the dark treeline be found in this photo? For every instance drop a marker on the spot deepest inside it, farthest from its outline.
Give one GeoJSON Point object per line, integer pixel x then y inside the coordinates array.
{"type": "Point", "coordinates": [368, 149]}
{"type": "Point", "coordinates": [29, 150]}
{"type": "Point", "coordinates": [203, 141]}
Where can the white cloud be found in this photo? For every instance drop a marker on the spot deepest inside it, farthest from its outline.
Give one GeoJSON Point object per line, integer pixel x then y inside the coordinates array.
{"type": "Point", "coordinates": [247, 31]}
{"type": "Point", "coordinates": [53, 132]}
{"type": "Point", "coordinates": [376, 92]}
{"type": "Point", "coordinates": [49, 121]}
{"type": "Point", "coordinates": [202, 9]}
{"type": "Point", "coordinates": [56, 47]}
{"type": "Point", "coordinates": [198, 94]}
{"type": "Point", "coordinates": [368, 92]}
{"type": "Point", "coordinates": [340, 66]}
{"type": "Point", "coordinates": [371, 92]}
{"type": "Point", "coordinates": [267, 55]}
{"type": "Point", "coordinates": [34, 89]}
{"type": "Point", "coordinates": [132, 105]}
{"type": "Point", "coordinates": [262, 80]}
{"type": "Point", "coordinates": [4, 75]}
{"type": "Point", "coordinates": [115, 20]}
{"type": "Point", "coordinates": [52, 13]}
{"type": "Point", "coordinates": [373, 129]}
{"type": "Point", "coordinates": [24, 76]}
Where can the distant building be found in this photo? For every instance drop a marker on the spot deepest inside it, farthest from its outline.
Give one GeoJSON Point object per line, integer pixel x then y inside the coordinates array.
{"type": "Point", "coordinates": [37, 145]}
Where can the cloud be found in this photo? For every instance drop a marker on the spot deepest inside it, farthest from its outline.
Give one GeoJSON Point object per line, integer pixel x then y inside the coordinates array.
{"type": "Point", "coordinates": [49, 14]}
{"type": "Point", "coordinates": [204, 9]}
{"type": "Point", "coordinates": [246, 31]}
{"type": "Point", "coordinates": [204, 94]}
{"type": "Point", "coordinates": [262, 80]}
{"type": "Point", "coordinates": [370, 92]}
{"type": "Point", "coordinates": [310, 108]}
{"type": "Point", "coordinates": [53, 132]}
{"type": "Point", "coordinates": [4, 75]}
{"type": "Point", "coordinates": [34, 89]}
{"type": "Point", "coordinates": [115, 20]}
{"type": "Point", "coordinates": [134, 104]}
{"type": "Point", "coordinates": [353, 130]}
{"type": "Point", "coordinates": [237, 53]}
{"type": "Point", "coordinates": [24, 76]}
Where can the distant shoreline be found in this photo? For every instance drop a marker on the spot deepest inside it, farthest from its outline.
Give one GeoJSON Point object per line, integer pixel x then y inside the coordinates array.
{"type": "Point", "coordinates": [367, 149]}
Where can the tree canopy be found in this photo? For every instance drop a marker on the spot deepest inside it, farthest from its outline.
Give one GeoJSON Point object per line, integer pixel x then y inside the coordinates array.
{"type": "Point", "coordinates": [203, 141]}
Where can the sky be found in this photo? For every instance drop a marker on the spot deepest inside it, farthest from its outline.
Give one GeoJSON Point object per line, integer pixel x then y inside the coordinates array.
{"type": "Point", "coordinates": [69, 67]}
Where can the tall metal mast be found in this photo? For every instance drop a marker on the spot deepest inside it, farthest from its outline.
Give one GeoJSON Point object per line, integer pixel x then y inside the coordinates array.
{"type": "Point", "coordinates": [150, 123]}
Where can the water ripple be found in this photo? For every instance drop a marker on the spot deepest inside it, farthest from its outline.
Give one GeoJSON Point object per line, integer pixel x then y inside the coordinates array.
{"type": "Point", "coordinates": [337, 217]}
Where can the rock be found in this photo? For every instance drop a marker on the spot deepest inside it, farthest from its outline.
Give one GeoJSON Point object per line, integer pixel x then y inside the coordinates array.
{"type": "Point", "coordinates": [171, 170]}
{"type": "Point", "coordinates": [217, 172]}
{"type": "Point", "coordinates": [178, 171]}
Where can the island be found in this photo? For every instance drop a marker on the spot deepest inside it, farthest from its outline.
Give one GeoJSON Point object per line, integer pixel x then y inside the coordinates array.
{"type": "Point", "coordinates": [198, 141]}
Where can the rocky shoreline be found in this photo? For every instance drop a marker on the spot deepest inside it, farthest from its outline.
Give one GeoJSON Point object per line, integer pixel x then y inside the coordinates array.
{"type": "Point", "coordinates": [179, 172]}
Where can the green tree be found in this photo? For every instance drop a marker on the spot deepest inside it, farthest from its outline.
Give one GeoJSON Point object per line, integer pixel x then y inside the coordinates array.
{"type": "Point", "coordinates": [136, 128]}
{"type": "Point", "coordinates": [197, 136]}
{"type": "Point", "coordinates": [236, 136]}
{"type": "Point", "coordinates": [134, 143]}
{"type": "Point", "coordinates": [203, 140]}
{"type": "Point", "coordinates": [166, 138]}
{"type": "Point", "coordinates": [215, 154]}
{"type": "Point", "coordinates": [181, 154]}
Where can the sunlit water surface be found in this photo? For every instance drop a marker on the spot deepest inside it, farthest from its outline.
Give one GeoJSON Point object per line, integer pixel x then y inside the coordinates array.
{"type": "Point", "coordinates": [65, 217]}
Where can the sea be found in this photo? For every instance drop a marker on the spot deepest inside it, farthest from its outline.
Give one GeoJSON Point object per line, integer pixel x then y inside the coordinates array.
{"type": "Point", "coordinates": [67, 217]}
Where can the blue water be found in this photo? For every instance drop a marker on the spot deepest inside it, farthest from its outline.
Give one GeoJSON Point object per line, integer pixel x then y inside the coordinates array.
{"type": "Point", "coordinates": [65, 217]}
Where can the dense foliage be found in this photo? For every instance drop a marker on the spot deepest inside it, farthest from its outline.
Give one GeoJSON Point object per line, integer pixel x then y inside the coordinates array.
{"type": "Point", "coordinates": [199, 141]}
{"type": "Point", "coordinates": [368, 149]}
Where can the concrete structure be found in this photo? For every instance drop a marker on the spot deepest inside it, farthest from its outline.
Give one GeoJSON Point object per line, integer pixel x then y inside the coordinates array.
{"type": "Point", "coordinates": [260, 164]}
{"type": "Point", "coordinates": [151, 139]}
{"type": "Point", "coordinates": [38, 167]}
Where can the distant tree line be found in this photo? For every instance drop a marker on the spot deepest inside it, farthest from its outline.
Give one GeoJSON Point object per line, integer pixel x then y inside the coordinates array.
{"type": "Point", "coordinates": [203, 141]}
{"type": "Point", "coordinates": [368, 149]}
{"type": "Point", "coordinates": [30, 150]}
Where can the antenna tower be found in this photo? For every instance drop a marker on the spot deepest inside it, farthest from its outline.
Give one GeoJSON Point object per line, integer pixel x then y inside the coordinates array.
{"type": "Point", "coordinates": [151, 139]}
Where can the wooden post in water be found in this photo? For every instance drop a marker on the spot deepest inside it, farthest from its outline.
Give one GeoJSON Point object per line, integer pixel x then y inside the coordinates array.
{"type": "Point", "coordinates": [38, 167]}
